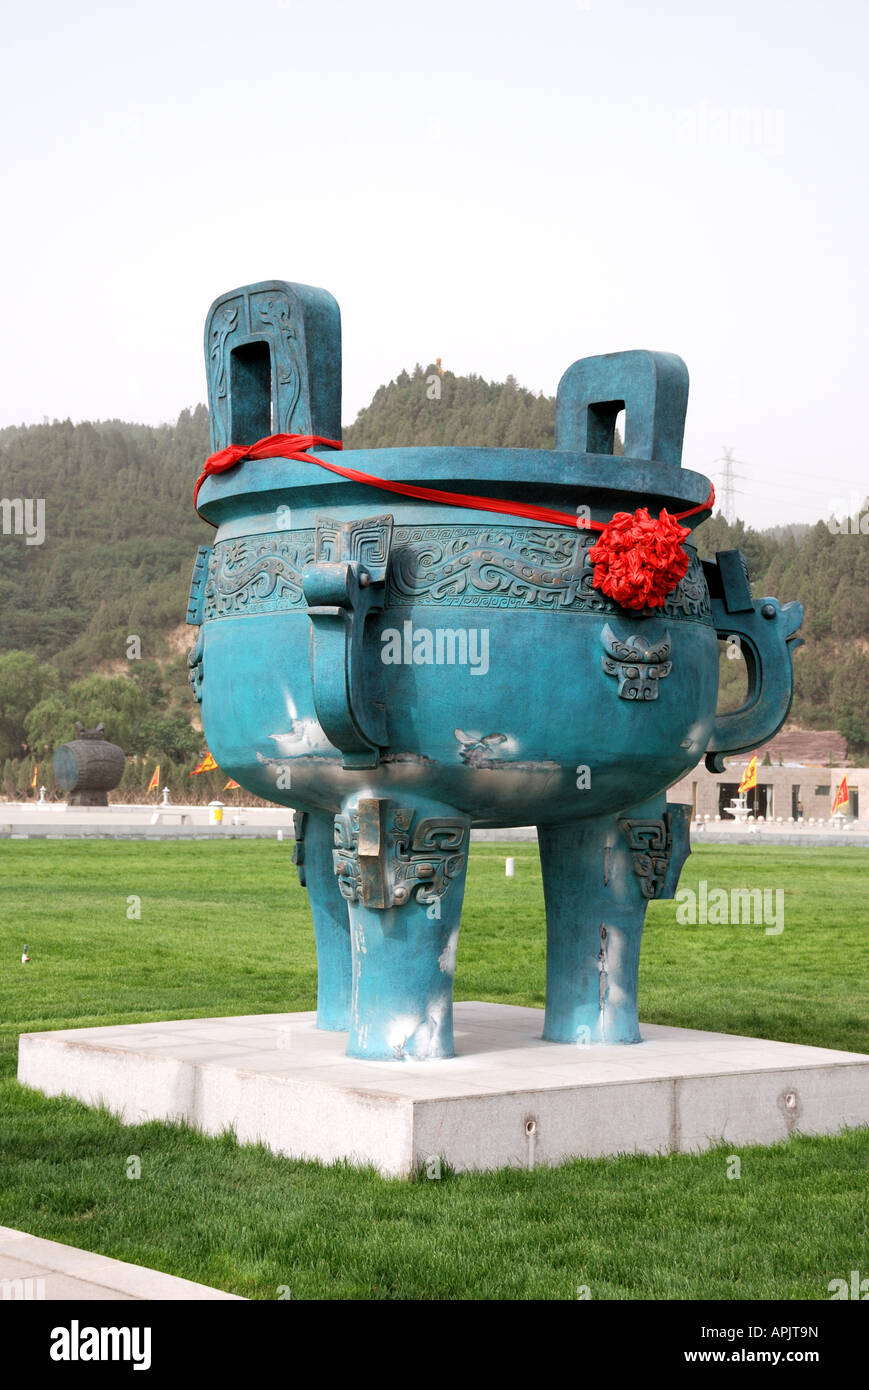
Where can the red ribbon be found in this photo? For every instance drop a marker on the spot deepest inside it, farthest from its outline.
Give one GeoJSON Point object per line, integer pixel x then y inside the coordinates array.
{"type": "Point", "coordinates": [295, 446]}
{"type": "Point", "coordinates": [287, 446]}
{"type": "Point", "coordinates": [638, 560]}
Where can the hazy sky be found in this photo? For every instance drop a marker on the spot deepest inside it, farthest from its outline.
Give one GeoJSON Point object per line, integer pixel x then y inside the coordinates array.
{"type": "Point", "coordinates": [509, 186]}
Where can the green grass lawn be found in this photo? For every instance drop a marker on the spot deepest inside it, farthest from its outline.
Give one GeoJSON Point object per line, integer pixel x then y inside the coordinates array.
{"type": "Point", "coordinates": [225, 929]}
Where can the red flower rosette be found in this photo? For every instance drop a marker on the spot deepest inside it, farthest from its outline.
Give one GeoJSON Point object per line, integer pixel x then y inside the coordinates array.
{"type": "Point", "coordinates": [639, 559]}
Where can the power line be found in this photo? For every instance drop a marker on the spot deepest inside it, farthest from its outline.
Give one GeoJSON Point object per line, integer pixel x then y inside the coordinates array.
{"type": "Point", "coordinates": [840, 482]}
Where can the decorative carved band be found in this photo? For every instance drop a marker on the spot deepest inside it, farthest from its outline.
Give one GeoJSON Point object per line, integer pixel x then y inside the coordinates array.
{"type": "Point", "coordinates": [258, 574]}
{"type": "Point", "coordinates": [532, 568]}
{"type": "Point", "coordinates": [517, 567]}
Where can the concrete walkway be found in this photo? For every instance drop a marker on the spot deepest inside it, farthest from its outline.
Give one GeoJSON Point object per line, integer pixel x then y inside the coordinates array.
{"type": "Point", "coordinates": [32, 1268]}
{"type": "Point", "coordinates": [55, 821]}
{"type": "Point", "coordinates": [26, 820]}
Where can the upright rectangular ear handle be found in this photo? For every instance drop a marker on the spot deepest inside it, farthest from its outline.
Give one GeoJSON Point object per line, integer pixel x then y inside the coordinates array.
{"type": "Point", "coordinates": [651, 388]}
{"type": "Point", "coordinates": [273, 362]}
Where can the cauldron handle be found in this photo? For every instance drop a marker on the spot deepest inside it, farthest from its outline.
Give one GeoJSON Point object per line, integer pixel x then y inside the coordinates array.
{"type": "Point", "coordinates": [344, 585]}
{"type": "Point", "coordinates": [651, 388]}
{"type": "Point", "coordinates": [273, 360]}
{"type": "Point", "coordinates": [766, 632]}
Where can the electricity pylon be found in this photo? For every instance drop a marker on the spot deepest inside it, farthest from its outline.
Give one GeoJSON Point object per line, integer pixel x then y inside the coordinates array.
{"type": "Point", "coordinates": [728, 476]}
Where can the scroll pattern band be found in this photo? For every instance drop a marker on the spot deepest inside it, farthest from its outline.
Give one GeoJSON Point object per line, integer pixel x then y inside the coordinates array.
{"type": "Point", "coordinates": [534, 569]}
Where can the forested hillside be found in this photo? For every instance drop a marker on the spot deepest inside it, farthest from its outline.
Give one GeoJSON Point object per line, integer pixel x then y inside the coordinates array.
{"type": "Point", "coordinates": [120, 532]}
{"type": "Point", "coordinates": [120, 535]}
{"type": "Point", "coordinates": [428, 407]}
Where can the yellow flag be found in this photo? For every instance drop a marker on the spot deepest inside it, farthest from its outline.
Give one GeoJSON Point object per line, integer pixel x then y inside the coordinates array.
{"type": "Point", "coordinates": [154, 783]}
{"type": "Point", "coordinates": [749, 776]}
{"type": "Point", "coordinates": [232, 786]}
{"type": "Point", "coordinates": [207, 765]}
{"type": "Point", "coordinates": [843, 796]}
{"type": "Point", "coordinates": [35, 775]}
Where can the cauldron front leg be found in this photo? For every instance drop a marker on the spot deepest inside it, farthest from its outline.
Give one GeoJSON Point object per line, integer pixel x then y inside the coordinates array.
{"type": "Point", "coordinates": [401, 866]}
{"type": "Point", "coordinates": [599, 876]}
{"type": "Point", "coordinates": [313, 858]}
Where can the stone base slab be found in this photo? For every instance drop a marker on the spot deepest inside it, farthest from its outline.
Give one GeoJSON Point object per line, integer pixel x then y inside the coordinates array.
{"type": "Point", "coordinates": [33, 1268]}
{"type": "Point", "coordinates": [506, 1099]}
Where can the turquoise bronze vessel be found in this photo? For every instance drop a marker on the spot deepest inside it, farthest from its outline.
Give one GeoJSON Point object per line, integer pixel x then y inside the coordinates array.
{"type": "Point", "coordinates": [398, 670]}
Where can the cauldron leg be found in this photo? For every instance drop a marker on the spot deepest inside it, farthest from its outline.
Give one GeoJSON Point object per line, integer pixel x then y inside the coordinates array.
{"type": "Point", "coordinates": [315, 839]}
{"type": "Point", "coordinates": [401, 866]}
{"type": "Point", "coordinates": [599, 876]}
{"type": "Point", "coordinates": [594, 920]}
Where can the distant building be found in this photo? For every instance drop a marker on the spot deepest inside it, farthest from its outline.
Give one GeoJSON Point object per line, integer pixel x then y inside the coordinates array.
{"type": "Point", "coordinates": [804, 778]}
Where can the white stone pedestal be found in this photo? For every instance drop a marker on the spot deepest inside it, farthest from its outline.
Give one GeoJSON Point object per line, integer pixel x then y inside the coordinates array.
{"type": "Point", "coordinates": [507, 1098]}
